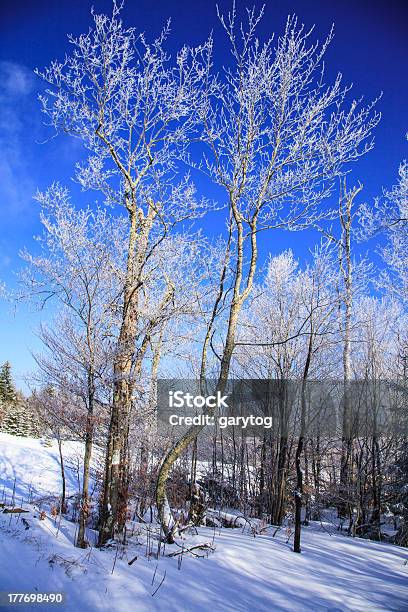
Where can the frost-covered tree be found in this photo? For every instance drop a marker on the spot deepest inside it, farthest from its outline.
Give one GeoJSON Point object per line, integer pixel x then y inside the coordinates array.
{"type": "Point", "coordinates": [277, 136]}
{"type": "Point", "coordinates": [389, 215]}
{"type": "Point", "coordinates": [7, 389]}
{"type": "Point", "coordinates": [135, 109]}
{"type": "Point", "coordinates": [13, 419]}
{"type": "Point", "coordinates": [16, 416]}
{"type": "Point", "coordinates": [286, 334]}
{"type": "Point", "coordinates": [395, 252]}
{"type": "Point", "coordinates": [80, 265]}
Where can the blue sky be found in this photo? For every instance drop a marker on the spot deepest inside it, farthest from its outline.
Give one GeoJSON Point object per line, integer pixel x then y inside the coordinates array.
{"type": "Point", "coordinates": [369, 48]}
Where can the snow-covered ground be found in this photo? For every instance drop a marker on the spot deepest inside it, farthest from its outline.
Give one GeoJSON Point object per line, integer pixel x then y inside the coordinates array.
{"type": "Point", "coordinates": [334, 572]}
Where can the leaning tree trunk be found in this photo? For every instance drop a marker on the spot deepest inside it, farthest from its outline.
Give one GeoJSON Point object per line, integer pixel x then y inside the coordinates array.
{"type": "Point", "coordinates": [240, 294]}
{"type": "Point", "coordinates": [169, 525]}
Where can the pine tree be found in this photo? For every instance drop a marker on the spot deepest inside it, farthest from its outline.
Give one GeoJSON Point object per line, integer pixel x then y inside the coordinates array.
{"type": "Point", "coordinates": [7, 390]}
{"type": "Point", "coordinates": [16, 414]}
{"type": "Point", "coordinates": [15, 421]}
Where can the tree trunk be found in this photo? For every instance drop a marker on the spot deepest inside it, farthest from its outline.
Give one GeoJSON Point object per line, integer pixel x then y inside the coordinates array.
{"type": "Point", "coordinates": [279, 497]}
{"type": "Point", "coordinates": [346, 266]}
{"type": "Point", "coordinates": [375, 521]}
{"type": "Point", "coordinates": [62, 466]}
{"type": "Point", "coordinates": [166, 519]}
{"type": "Point", "coordinates": [299, 449]}
{"type": "Point", "coordinates": [115, 490]}
{"type": "Point", "coordinates": [238, 299]}
{"type": "Point", "coordinates": [298, 496]}
{"type": "Point", "coordinates": [84, 508]}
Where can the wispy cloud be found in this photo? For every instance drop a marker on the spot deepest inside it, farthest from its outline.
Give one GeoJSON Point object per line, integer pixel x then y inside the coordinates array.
{"type": "Point", "coordinates": [16, 80]}
{"type": "Point", "coordinates": [17, 85]}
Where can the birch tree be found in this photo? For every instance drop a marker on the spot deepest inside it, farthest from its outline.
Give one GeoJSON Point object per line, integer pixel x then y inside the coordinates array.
{"type": "Point", "coordinates": [135, 109]}
{"type": "Point", "coordinates": [277, 136]}
{"type": "Point", "coordinates": [347, 288]}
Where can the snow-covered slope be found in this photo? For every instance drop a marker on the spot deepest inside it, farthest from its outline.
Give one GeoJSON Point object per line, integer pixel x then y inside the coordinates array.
{"type": "Point", "coordinates": [333, 572]}
{"type": "Point", "coordinates": [35, 466]}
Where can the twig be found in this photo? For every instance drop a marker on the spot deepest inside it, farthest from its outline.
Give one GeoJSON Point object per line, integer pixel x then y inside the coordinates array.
{"type": "Point", "coordinates": [206, 546]}
{"type": "Point", "coordinates": [164, 576]}
{"type": "Point", "coordinates": [114, 561]}
{"type": "Point", "coordinates": [154, 575]}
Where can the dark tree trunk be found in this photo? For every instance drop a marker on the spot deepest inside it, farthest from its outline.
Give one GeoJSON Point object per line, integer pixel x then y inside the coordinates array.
{"type": "Point", "coordinates": [298, 495]}
{"type": "Point", "coordinates": [299, 450]}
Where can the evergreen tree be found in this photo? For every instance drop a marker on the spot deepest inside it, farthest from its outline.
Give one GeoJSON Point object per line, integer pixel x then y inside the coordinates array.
{"type": "Point", "coordinates": [15, 421]}
{"type": "Point", "coordinates": [17, 416]}
{"type": "Point", "coordinates": [7, 390]}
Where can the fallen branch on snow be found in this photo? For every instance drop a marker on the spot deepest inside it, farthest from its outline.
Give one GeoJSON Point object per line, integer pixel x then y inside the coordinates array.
{"type": "Point", "coordinates": [205, 546]}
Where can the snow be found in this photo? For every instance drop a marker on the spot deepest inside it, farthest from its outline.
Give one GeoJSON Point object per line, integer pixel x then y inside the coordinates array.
{"type": "Point", "coordinates": [334, 572]}
{"type": "Point", "coordinates": [35, 466]}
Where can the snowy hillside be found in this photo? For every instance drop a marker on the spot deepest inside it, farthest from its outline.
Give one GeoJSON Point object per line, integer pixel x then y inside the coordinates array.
{"type": "Point", "coordinates": [334, 572]}
{"type": "Point", "coordinates": [35, 466]}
